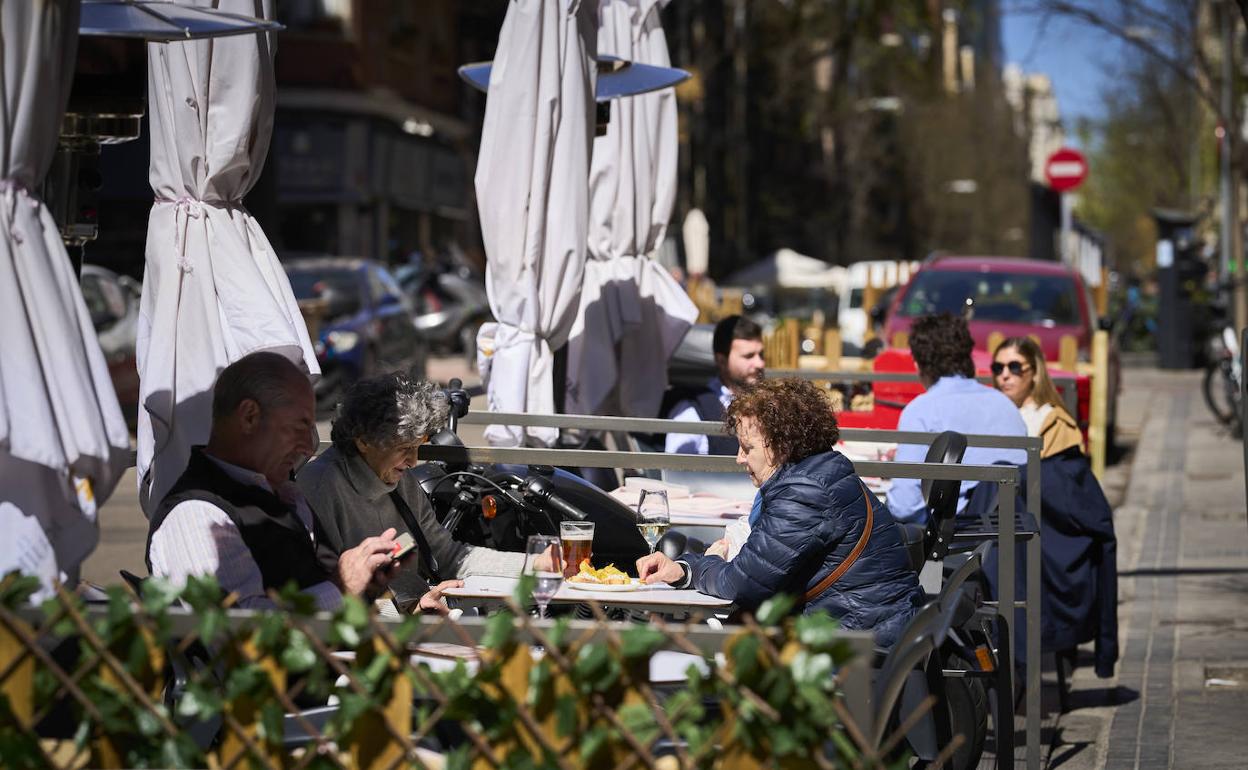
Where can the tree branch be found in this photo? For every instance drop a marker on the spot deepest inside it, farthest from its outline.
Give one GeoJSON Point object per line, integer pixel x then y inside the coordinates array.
{"type": "Point", "coordinates": [1098, 21]}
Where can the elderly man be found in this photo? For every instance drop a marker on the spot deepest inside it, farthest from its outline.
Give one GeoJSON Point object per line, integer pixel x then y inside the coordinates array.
{"type": "Point", "coordinates": [738, 347]}
{"type": "Point", "coordinates": [941, 346]}
{"type": "Point", "coordinates": [236, 514]}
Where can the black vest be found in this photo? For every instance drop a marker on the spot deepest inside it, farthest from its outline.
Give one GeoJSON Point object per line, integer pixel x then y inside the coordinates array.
{"type": "Point", "coordinates": [706, 403]}
{"type": "Point", "coordinates": [276, 537]}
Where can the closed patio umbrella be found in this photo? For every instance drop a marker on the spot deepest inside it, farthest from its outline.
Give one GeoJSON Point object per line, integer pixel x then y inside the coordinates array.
{"type": "Point", "coordinates": [532, 186]}
{"type": "Point", "coordinates": [63, 440]}
{"type": "Point", "coordinates": [632, 313]}
{"type": "Point", "coordinates": [213, 289]}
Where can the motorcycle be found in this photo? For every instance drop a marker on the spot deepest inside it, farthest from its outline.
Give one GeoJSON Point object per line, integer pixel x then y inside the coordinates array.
{"type": "Point", "coordinates": [451, 305]}
{"type": "Point", "coordinates": [500, 506]}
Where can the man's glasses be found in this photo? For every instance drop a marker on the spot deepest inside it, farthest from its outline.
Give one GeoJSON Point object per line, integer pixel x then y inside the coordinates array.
{"type": "Point", "coordinates": [1016, 368]}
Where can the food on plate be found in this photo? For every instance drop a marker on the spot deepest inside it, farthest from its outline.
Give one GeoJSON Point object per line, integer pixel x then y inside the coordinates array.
{"type": "Point", "coordinates": [608, 575]}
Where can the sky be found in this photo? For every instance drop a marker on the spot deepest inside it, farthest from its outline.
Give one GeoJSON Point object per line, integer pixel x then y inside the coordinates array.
{"type": "Point", "coordinates": [1077, 59]}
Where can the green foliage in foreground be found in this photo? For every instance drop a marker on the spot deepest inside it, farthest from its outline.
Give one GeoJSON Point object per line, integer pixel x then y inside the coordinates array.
{"type": "Point", "coordinates": [771, 697]}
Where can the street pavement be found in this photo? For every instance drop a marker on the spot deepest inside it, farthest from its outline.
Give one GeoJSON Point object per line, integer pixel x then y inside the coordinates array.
{"type": "Point", "coordinates": [1180, 697]}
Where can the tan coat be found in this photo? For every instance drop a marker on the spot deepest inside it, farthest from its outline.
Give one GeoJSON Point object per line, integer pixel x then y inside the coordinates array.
{"type": "Point", "coordinates": [1060, 432]}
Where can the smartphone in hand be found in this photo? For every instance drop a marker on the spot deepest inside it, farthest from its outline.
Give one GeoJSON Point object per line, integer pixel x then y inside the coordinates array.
{"type": "Point", "coordinates": [404, 544]}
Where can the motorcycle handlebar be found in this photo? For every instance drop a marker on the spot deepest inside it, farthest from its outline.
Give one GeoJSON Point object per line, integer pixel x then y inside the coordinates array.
{"type": "Point", "coordinates": [539, 487]}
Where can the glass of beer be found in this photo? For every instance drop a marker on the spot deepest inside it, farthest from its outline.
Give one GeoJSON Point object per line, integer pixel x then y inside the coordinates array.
{"type": "Point", "coordinates": [578, 544]}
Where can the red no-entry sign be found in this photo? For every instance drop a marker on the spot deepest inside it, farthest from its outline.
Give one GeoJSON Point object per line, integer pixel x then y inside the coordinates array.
{"type": "Point", "coordinates": [1066, 169]}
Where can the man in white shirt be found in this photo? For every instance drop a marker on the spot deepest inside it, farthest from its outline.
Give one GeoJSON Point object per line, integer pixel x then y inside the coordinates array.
{"type": "Point", "coordinates": [236, 514]}
{"type": "Point", "coordinates": [738, 347]}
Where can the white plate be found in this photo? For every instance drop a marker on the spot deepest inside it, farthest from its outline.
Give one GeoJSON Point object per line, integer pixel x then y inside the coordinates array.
{"type": "Point", "coordinates": [633, 585]}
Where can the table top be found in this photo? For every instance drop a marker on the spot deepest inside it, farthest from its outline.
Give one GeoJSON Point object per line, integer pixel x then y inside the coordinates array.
{"type": "Point", "coordinates": [656, 596]}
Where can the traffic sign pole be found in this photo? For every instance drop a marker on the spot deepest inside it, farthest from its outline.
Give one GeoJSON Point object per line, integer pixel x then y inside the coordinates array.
{"type": "Point", "coordinates": [1066, 169]}
{"type": "Point", "coordinates": [1067, 251]}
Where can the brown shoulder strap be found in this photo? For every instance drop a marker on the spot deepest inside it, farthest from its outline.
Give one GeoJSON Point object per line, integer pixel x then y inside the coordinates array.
{"type": "Point", "coordinates": [859, 547]}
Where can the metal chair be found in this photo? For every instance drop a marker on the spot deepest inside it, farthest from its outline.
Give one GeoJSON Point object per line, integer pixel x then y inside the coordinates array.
{"type": "Point", "coordinates": [942, 495]}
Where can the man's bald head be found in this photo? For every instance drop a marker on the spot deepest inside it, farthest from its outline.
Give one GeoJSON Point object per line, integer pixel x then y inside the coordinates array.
{"type": "Point", "coordinates": [263, 416]}
{"type": "Point", "coordinates": [269, 379]}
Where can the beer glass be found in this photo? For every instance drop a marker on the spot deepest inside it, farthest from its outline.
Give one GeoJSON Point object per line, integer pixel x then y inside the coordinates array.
{"type": "Point", "coordinates": [578, 544]}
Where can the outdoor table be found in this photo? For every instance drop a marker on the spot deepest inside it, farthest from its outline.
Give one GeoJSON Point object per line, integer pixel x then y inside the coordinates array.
{"type": "Point", "coordinates": [666, 666]}
{"type": "Point", "coordinates": [484, 591]}
{"type": "Point", "coordinates": [719, 522]}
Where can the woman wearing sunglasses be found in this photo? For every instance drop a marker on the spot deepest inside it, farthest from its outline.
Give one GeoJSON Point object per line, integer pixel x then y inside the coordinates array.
{"type": "Point", "coordinates": [1080, 591]}
{"type": "Point", "coordinates": [1019, 371]}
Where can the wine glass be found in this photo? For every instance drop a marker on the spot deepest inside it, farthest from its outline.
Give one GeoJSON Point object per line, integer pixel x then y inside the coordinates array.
{"type": "Point", "coordinates": [548, 578]}
{"type": "Point", "coordinates": [653, 515]}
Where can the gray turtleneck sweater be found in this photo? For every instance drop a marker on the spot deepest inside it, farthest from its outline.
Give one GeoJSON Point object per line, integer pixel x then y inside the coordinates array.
{"type": "Point", "coordinates": [352, 503]}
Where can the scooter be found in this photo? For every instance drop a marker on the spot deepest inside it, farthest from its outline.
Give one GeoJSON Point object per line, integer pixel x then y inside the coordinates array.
{"type": "Point", "coordinates": [451, 305]}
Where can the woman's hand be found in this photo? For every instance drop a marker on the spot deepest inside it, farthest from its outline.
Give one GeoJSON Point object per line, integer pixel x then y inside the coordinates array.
{"type": "Point", "coordinates": [657, 568]}
{"type": "Point", "coordinates": [361, 567]}
{"type": "Point", "coordinates": [719, 548]}
{"type": "Point", "coordinates": [433, 602]}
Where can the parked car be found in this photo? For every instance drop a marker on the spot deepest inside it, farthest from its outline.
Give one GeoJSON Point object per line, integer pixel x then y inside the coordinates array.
{"type": "Point", "coordinates": [113, 302]}
{"type": "Point", "coordinates": [1017, 297]}
{"type": "Point", "coordinates": [364, 323]}
{"type": "Point", "coordinates": [451, 304]}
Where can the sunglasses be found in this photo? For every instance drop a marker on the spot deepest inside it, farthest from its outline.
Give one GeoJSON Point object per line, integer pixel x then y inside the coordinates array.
{"type": "Point", "coordinates": [1016, 368]}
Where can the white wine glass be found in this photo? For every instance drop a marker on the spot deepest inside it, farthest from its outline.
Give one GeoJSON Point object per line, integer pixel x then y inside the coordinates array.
{"type": "Point", "coordinates": [653, 515]}
{"type": "Point", "coordinates": [547, 577]}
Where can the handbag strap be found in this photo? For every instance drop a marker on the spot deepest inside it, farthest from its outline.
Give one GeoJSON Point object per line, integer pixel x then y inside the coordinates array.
{"type": "Point", "coordinates": [422, 545]}
{"type": "Point", "coordinates": [859, 547]}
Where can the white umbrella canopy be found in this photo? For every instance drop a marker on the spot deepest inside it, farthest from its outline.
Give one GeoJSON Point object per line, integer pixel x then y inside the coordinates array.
{"type": "Point", "coordinates": [532, 194]}
{"type": "Point", "coordinates": [213, 289]}
{"type": "Point", "coordinates": [63, 440]}
{"type": "Point", "coordinates": [632, 312]}
{"type": "Point", "coordinates": [790, 270]}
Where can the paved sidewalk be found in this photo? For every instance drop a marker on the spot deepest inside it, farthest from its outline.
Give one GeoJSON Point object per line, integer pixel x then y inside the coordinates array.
{"type": "Point", "coordinates": [1180, 698]}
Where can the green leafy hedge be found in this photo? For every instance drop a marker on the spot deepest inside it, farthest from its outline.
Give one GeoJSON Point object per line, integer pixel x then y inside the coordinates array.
{"type": "Point", "coordinates": [772, 700]}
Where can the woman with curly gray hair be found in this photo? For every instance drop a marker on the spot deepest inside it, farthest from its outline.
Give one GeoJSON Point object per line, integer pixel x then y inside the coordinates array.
{"type": "Point", "coordinates": [360, 485]}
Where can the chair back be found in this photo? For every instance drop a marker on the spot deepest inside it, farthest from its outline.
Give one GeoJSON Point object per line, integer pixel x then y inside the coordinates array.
{"type": "Point", "coordinates": [133, 580]}
{"type": "Point", "coordinates": [941, 495]}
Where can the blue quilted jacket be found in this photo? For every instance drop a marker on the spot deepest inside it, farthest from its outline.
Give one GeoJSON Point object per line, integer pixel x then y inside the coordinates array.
{"type": "Point", "coordinates": [813, 513]}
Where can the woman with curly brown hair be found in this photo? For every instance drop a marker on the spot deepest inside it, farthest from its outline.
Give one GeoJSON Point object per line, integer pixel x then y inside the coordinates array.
{"type": "Point", "coordinates": [816, 533]}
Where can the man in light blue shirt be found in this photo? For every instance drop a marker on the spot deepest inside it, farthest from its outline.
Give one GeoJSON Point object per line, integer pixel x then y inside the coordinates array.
{"type": "Point", "coordinates": [941, 346]}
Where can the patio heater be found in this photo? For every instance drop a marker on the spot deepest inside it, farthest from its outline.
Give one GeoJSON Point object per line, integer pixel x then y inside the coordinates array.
{"type": "Point", "coordinates": [616, 78]}
{"type": "Point", "coordinates": [108, 97]}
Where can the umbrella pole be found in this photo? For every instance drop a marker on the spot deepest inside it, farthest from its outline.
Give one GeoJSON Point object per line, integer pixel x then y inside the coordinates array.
{"type": "Point", "coordinates": [560, 377]}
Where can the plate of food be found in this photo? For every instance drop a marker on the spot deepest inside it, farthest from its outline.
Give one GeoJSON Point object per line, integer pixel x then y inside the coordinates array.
{"type": "Point", "coordinates": [609, 578]}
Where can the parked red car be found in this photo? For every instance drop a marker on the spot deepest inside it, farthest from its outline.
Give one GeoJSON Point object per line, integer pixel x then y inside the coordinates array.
{"type": "Point", "coordinates": [1017, 297]}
